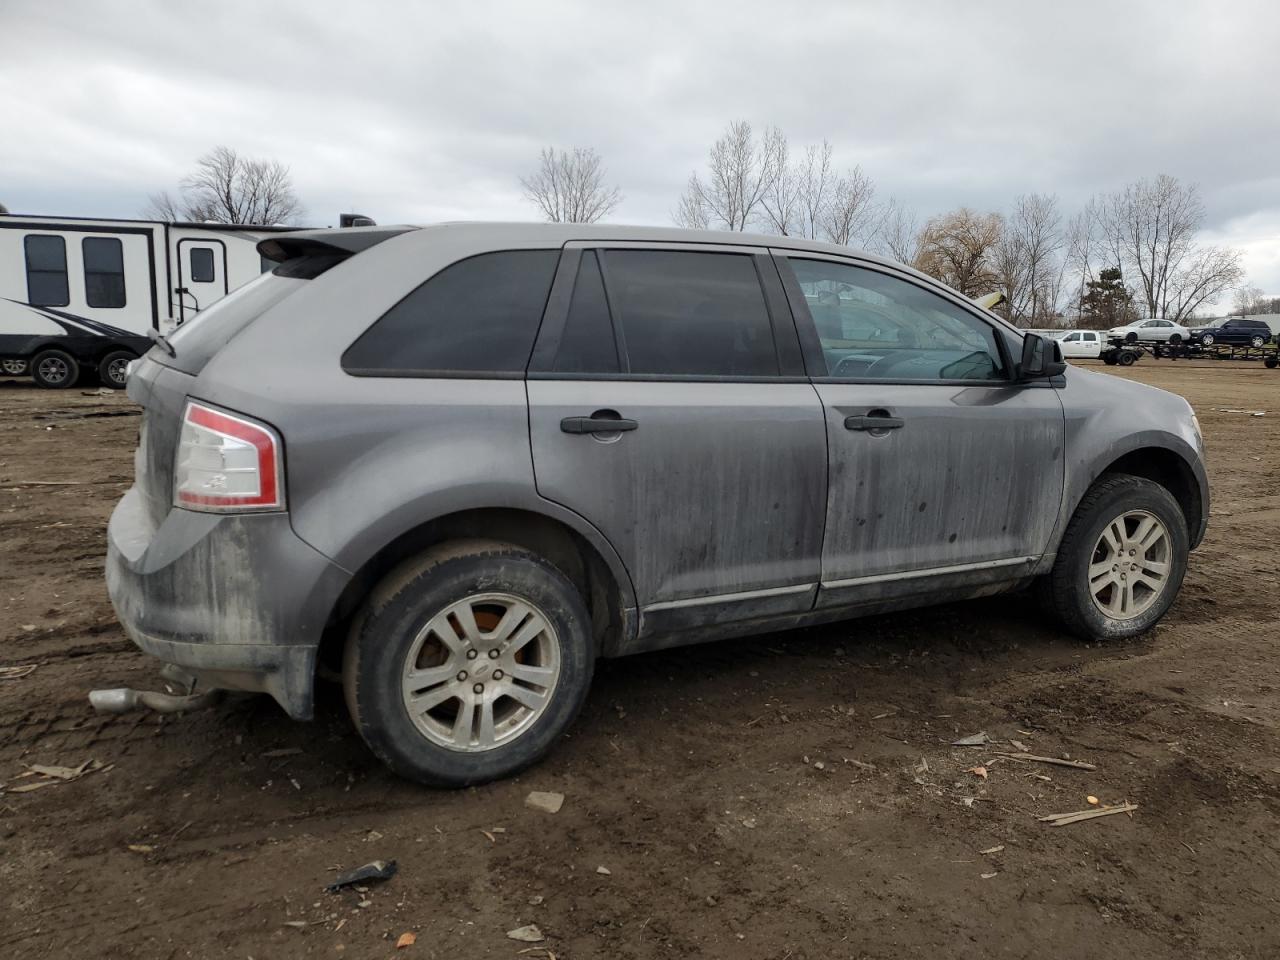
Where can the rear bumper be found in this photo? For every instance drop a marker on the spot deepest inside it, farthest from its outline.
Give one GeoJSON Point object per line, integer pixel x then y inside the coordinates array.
{"type": "Point", "coordinates": [238, 600]}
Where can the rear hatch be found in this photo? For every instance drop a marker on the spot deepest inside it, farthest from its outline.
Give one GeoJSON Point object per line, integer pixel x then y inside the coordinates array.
{"type": "Point", "coordinates": [161, 382]}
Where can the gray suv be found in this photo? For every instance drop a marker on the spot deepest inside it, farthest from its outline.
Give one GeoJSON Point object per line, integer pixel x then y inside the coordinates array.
{"type": "Point", "coordinates": [457, 464]}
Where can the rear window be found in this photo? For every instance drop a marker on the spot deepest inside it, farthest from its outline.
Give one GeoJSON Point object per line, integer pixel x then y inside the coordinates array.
{"type": "Point", "coordinates": [197, 340]}
{"type": "Point", "coordinates": [477, 317]}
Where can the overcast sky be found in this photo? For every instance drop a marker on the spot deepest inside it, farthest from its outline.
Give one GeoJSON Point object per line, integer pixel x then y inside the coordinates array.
{"type": "Point", "coordinates": [420, 112]}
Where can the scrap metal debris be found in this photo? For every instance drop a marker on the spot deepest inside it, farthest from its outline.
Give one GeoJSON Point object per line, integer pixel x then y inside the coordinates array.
{"type": "Point", "coordinates": [375, 871]}
{"type": "Point", "coordinates": [1062, 819]}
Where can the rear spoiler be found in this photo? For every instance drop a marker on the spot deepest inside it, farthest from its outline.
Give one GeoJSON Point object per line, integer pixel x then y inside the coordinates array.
{"type": "Point", "coordinates": [350, 240]}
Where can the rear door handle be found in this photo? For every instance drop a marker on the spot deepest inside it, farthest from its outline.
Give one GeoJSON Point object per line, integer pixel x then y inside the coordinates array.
{"type": "Point", "coordinates": [597, 424]}
{"type": "Point", "coordinates": [873, 422]}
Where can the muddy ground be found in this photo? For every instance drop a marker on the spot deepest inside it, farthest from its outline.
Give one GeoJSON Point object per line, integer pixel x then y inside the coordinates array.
{"type": "Point", "coordinates": [793, 796]}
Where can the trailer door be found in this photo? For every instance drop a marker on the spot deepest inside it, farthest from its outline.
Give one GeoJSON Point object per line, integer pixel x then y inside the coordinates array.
{"type": "Point", "coordinates": [202, 276]}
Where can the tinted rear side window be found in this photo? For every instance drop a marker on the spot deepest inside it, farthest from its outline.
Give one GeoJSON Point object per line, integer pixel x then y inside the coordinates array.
{"type": "Point", "coordinates": [691, 314]}
{"type": "Point", "coordinates": [587, 344]}
{"type": "Point", "coordinates": [103, 272]}
{"type": "Point", "coordinates": [478, 316]}
{"type": "Point", "coordinates": [46, 271]}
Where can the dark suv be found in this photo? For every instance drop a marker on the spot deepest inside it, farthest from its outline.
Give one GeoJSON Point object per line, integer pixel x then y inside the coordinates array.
{"type": "Point", "coordinates": [460, 463]}
{"type": "Point", "coordinates": [1235, 331]}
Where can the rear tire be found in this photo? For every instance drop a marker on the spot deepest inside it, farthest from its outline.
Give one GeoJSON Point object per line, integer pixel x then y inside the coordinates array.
{"type": "Point", "coordinates": [1126, 358]}
{"type": "Point", "coordinates": [111, 369]}
{"type": "Point", "coordinates": [1207, 339]}
{"type": "Point", "coordinates": [1271, 363]}
{"type": "Point", "coordinates": [1131, 337]}
{"type": "Point", "coordinates": [492, 705]}
{"type": "Point", "coordinates": [1119, 514]}
{"type": "Point", "coordinates": [54, 369]}
{"type": "Point", "coordinates": [1257, 342]}
{"type": "Point", "coordinates": [1175, 338]}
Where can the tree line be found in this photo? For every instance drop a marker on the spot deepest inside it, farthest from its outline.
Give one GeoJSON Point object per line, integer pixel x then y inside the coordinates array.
{"type": "Point", "coordinates": [1124, 255]}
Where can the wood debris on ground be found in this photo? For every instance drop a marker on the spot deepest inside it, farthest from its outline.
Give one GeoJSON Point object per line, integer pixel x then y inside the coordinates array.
{"type": "Point", "coordinates": [1056, 761]}
{"type": "Point", "coordinates": [51, 775]}
{"type": "Point", "coordinates": [1062, 819]}
{"type": "Point", "coordinates": [18, 672]}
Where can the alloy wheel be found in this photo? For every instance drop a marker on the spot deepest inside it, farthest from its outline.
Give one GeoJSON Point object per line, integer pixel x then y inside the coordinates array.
{"type": "Point", "coordinates": [1130, 565]}
{"type": "Point", "coordinates": [481, 672]}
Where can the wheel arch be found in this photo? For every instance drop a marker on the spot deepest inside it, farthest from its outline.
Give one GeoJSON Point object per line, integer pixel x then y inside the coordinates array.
{"type": "Point", "coordinates": [1169, 469]}
{"type": "Point", "coordinates": [593, 568]}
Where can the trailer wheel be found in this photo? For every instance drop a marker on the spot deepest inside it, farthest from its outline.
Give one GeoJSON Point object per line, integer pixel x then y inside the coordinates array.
{"type": "Point", "coordinates": [1271, 363]}
{"type": "Point", "coordinates": [112, 368]}
{"type": "Point", "coordinates": [13, 368]}
{"type": "Point", "coordinates": [1257, 341]}
{"type": "Point", "coordinates": [54, 369]}
{"type": "Point", "coordinates": [1126, 358]}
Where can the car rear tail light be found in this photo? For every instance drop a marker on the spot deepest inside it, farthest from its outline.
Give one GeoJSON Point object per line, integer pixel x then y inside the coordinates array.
{"type": "Point", "coordinates": [227, 463]}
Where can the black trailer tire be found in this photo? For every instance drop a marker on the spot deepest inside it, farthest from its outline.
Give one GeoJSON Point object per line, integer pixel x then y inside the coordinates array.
{"type": "Point", "coordinates": [54, 369]}
{"type": "Point", "coordinates": [1127, 504]}
{"type": "Point", "coordinates": [1271, 363]}
{"type": "Point", "coordinates": [473, 622]}
{"type": "Point", "coordinates": [1126, 358]}
{"type": "Point", "coordinates": [111, 368]}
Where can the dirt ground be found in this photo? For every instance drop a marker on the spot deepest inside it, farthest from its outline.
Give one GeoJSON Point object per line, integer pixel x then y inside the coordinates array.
{"type": "Point", "coordinates": [789, 797]}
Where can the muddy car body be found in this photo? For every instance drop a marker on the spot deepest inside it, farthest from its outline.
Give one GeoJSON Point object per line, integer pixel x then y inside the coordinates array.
{"type": "Point", "coordinates": [408, 451]}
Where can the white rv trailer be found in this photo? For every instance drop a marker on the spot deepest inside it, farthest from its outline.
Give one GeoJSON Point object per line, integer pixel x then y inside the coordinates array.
{"type": "Point", "coordinates": [79, 294]}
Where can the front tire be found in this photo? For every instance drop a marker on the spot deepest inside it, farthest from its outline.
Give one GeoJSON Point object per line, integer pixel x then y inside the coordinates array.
{"type": "Point", "coordinates": [54, 369]}
{"type": "Point", "coordinates": [1257, 341]}
{"type": "Point", "coordinates": [1207, 339]}
{"type": "Point", "coordinates": [1175, 339]}
{"type": "Point", "coordinates": [467, 663]}
{"type": "Point", "coordinates": [1121, 561]}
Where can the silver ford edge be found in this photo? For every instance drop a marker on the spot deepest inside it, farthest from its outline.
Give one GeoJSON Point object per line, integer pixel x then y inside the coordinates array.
{"type": "Point", "coordinates": [458, 463]}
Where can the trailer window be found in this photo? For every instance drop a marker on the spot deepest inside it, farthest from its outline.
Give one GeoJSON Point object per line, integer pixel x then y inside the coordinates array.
{"type": "Point", "coordinates": [201, 265]}
{"type": "Point", "coordinates": [46, 271]}
{"type": "Point", "coordinates": [103, 272]}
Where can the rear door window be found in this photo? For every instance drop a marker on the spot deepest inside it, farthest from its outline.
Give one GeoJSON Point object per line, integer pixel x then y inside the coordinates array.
{"type": "Point", "coordinates": [699, 314]}
{"type": "Point", "coordinates": [46, 257]}
{"type": "Point", "coordinates": [477, 317]}
{"type": "Point", "coordinates": [587, 344]}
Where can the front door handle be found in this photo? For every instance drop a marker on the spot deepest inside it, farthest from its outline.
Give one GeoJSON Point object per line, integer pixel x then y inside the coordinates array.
{"type": "Point", "coordinates": [602, 421]}
{"type": "Point", "coordinates": [872, 421]}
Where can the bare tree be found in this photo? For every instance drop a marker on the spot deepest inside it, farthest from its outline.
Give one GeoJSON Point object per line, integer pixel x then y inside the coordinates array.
{"type": "Point", "coordinates": [740, 170]}
{"type": "Point", "coordinates": [1026, 259]}
{"type": "Point", "coordinates": [899, 235]}
{"type": "Point", "coordinates": [958, 248]}
{"type": "Point", "coordinates": [229, 188]}
{"type": "Point", "coordinates": [691, 212]}
{"type": "Point", "coordinates": [1149, 229]}
{"type": "Point", "coordinates": [813, 182]}
{"type": "Point", "coordinates": [780, 199]}
{"type": "Point", "coordinates": [569, 187]}
{"type": "Point", "coordinates": [1251, 299]}
{"type": "Point", "coordinates": [851, 215]}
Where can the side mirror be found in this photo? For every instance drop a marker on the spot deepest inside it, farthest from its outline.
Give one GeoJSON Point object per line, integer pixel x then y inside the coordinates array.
{"type": "Point", "coordinates": [1041, 357]}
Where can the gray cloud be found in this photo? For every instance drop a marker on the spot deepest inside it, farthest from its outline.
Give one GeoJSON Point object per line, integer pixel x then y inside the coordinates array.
{"type": "Point", "coordinates": [432, 111]}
